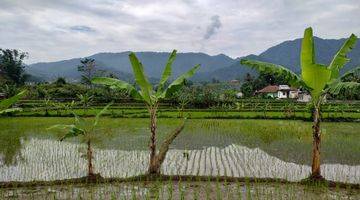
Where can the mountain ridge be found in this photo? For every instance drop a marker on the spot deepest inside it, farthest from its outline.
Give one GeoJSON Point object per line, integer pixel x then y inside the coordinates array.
{"type": "Point", "coordinates": [220, 66]}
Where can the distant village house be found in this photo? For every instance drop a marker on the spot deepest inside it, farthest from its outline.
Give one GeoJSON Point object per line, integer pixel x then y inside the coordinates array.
{"type": "Point", "coordinates": [234, 81]}
{"type": "Point", "coordinates": [283, 92]}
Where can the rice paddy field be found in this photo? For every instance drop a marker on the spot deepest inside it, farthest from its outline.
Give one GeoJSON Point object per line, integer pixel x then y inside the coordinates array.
{"type": "Point", "coordinates": [246, 148]}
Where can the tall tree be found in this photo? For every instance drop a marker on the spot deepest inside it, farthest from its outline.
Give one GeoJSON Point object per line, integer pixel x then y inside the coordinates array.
{"type": "Point", "coordinates": [319, 79]}
{"type": "Point", "coordinates": [152, 99]}
{"type": "Point", "coordinates": [60, 81]}
{"type": "Point", "coordinates": [87, 68]}
{"type": "Point", "coordinates": [12, 67]}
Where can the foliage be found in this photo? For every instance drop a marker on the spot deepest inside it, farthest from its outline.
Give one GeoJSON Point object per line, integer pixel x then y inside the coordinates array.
{"type": "Point", "coordinates": [12, 67]}
{"type": "Point", "coordinates": [47, 105]}
{"type": "Point", "coordinates": [146, 92]}
{"type": "Point", "coordinates": [85, 100]}
{"type": "Point", "coordinates": [87, 68]}
{"type": "Point", "coordinates": [265, 78]}
{"type": "Point", "coordinates": [81, 128]}
{"type": "Point", "coordinates": [56, 91]}
{"type": "Point", "coordinates": [60, 81]}
{"type": "Point", "coordinates": [247, 89]}
{"type": "Point", "coordinates": [9, 90]}
{"type": "Point", "coordinates": [6, 104]}
{"type": "Point", "coordinates": [317, 78]}
{"type": "Point", "coordinates": [151, 98]}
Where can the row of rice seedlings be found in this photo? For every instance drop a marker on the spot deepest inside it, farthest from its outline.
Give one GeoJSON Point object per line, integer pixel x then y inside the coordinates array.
{"type": "Point", "coordinates": [52, 160]}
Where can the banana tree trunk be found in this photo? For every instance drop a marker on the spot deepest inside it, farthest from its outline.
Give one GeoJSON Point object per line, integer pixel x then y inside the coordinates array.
{"type": "Point", "coordinates": [153, 165]}
{"type": "Point", "coordinates": [166, 144]}
{"type": "Point", "coordinates": [315, 167]}
{"type": "Point", "coordinates": [156, 159]}
{"type": "Point", "coordinates": [90, 156]}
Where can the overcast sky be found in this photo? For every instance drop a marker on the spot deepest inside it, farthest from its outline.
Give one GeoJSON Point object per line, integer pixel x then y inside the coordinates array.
{"type": "Point", "coordinates": [51, 30]}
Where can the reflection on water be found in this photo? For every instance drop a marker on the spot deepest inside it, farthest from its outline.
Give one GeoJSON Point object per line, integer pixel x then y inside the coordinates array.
{"type": "Point", "coordinates": [44, 159]}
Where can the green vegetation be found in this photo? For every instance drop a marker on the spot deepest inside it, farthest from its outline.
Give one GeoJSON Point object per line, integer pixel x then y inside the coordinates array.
{"type": "Point", "coordinates": [7, 103]}
{"type": "Point", "coordinates": [231, 147]}
{"type": "Point", "coordinates": [240, 109]}
{"type": "Point", "coordinates": [181, 189]}
{"type": "Point", "coordinates": [318, 79]}
{"type": "Point", "coordinates": [12, 67]}
{"type": "Point", "coordinates": [88, 70]}
{"type": "Point", "coordinates": [80, 128]}
{"type": "Point", "coordinates": [340, 143]}
{"type": "Point", "coordinates": [152, 98]}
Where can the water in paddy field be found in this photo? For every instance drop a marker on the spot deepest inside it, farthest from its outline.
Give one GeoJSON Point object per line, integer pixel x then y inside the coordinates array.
{"type": "Point", "coordinates": [44, 159]}
{"type": "Point", "coordinates": [236, 148]}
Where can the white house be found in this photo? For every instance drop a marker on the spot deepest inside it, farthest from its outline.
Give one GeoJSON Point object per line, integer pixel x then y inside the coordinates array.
{"type": "Point", "coordinates": [239, 95]}
{"type": "Point", "coordinates": [279, 92]}
{"type": "Point", "coordinates": [304, 97]}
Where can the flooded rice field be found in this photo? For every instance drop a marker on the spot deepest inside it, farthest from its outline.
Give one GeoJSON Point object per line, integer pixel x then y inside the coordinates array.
{"type": "Point", "coordinates": [44, 159]}
{"type": "Point", "coordinates": [236, 148]}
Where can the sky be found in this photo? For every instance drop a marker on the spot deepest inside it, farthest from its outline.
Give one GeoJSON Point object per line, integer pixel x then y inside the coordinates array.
{"type": "Point", "coordinates": [52, 30]}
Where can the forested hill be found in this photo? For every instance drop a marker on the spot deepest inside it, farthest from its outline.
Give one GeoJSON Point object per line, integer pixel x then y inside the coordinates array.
{"type": "Point", "coordinates": [288, 54]}
{"type": "Point", "coordinates": [153, 62]}
{"type": "Point", "coordinates": [220, 66]}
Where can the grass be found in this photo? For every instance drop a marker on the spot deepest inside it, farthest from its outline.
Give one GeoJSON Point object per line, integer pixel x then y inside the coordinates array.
{"type": "Point", "coordinates": [180, 189]}
{"type": "Point", "coordinates": [198, 114]}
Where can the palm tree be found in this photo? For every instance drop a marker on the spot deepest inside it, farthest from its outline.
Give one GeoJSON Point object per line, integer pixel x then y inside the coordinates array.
{"type": "Point", "coordinates": [7, 103]}
{"type": "Point", "coordinates": [80, 128]}
{"type": "Point", "coordinates": [318, 79]}
{"type": "Point", "coordinates": [152, 98]}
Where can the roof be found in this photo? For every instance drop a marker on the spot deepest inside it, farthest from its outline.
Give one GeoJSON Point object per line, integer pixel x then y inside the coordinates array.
{"type": "Point", "coordinates": [234, 81]}
{"type": "Point", "coordinates": [269, 89]}
{"type": "Point", "coordinates": [284, 87]}
{"type": "Point", "coordinates": [275, 88]}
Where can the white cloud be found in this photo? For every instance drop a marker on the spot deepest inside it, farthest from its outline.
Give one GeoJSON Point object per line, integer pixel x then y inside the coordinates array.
{"type": "Point", "coordinates": [63, 29]}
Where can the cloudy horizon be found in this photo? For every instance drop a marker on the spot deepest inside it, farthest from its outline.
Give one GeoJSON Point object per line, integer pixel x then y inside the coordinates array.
{"type": "Point", "coordinates": [65, 29]}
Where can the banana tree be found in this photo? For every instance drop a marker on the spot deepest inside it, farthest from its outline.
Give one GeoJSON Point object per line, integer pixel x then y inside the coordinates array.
{"type": "Point", "coordinates": [5, 105]}
{"type": "Point", "coordinates": [86, 131]}
{"type": "Point", "coordinates": [85, 100]}
{"type": "Point", "coordinates": [68, 106]}
{"type": "Point", "coordinates": [47, 106]}
{"type": "Point", "coordinates": [318, 79]}
{"type": "Point", "coordinates": [152, 97]}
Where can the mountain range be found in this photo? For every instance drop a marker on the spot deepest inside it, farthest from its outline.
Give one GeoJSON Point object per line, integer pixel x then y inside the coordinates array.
{"type": "Point", "coordinates": [220, 67]}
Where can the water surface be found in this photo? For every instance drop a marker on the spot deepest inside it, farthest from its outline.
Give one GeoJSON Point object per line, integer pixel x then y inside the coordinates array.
{"type": "Point", "coordinates": [239, 148]}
